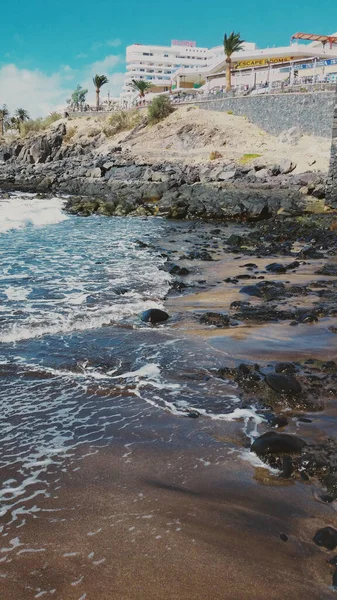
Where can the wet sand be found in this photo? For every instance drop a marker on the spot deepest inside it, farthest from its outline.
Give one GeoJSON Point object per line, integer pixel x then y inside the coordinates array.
{"type": "Point", "coordinates": [164, 524]}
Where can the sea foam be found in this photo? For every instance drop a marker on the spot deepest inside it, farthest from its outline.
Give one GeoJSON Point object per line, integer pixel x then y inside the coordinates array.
{"type": "Point", "coordinates": [20, 212]}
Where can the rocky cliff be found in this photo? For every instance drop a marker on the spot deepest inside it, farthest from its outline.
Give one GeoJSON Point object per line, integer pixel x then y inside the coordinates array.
{"type": "Point", "coordinates": [110, 180]}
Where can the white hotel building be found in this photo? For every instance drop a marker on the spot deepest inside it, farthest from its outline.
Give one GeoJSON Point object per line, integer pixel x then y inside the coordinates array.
{"type": "Point", "coordinates": [158, 64]}
{"type": "Point", "coordinates": [184, 66]}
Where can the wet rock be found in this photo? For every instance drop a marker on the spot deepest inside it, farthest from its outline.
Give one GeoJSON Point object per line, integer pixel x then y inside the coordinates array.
{"type": "Point", "coordinates": [142, 244]}
{"type": "Point", "coordinates": [328, 269]}
{"type": "Point", "coordinates": [307, 318]}
{"type": "Point", "coordinates": [215, 319]}
{"type": "Point", "coordinates": [285, 367]}
{"type": "Point", "coordinates": [277, 420]}
{"type": "Point", "coordinates": [326, 538]}
{"type": "Point", "coordinates": [328, 499]}
{"type": "Point", "coordinates": [283, 384]}
{"type": "Point", "coordinates": [277, 443]}
{"type": "Point", "coordinates": [199, 255]}
{"type": "Point", "coordinates": [269, 290]}
{"type": "Point", "coordinates": [276, 268]}
{"type": "Point", "coordinates": [251, 290]}
{"type": "Point", "coordinates": [259, 314]}
{"type": "Point", "coordinates": [154, 315]}
{"type": "Point", "coordinates": [283, 537]}
{"type": "Point", "coordinates": [293, 265]}
{"type": "Point", "coordinates": [235, 240]}
{"type": "Point", "coordinates": [176, 270]}
{"type": "Point", "coordinates": [193, 414]}
{"type": "Point", "coordinates": [334, 580]}
{"type": "Point", "coordinates": [287, 467]}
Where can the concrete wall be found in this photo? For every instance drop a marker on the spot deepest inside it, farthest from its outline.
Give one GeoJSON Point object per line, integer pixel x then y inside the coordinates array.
{"type": "Point", "coordinates": [312, 112]}
{"type": "Point", "coordinates": [331, 188]}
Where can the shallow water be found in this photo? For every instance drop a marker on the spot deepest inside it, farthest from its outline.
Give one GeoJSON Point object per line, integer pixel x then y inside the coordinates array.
{"type": "Point", "coordinates": [77, 365]}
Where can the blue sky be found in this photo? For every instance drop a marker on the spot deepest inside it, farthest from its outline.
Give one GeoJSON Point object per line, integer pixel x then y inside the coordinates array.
{"type": "Point", "coordinates": [47, 48]}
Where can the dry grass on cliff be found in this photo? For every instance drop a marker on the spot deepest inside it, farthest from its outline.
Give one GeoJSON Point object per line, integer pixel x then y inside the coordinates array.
{"type": "Point", "coordinates": [193, 135]}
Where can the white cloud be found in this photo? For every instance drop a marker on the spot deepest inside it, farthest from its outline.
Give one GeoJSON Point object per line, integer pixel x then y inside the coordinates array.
{"type": "Point", "coordinates": [103, 67]}
{"type": "Point", "coordinates": [81, 55]}
{"type": "Point", "coordinates": [40, 93]}
{"type": "Point", "coordinates": [114, 43]}
{"type": "Point", "coordinates": [33, 90]}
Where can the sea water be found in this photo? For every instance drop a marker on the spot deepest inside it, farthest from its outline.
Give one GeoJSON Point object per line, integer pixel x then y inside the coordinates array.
{"type": "Point", "coordinates": [77, 365]}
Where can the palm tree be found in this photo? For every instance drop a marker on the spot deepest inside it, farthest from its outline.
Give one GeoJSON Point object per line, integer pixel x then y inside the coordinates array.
{"type": "Point", "coordinates": [140, 86]}
{"type": "Point", "coordinates": [232, 43]}
{"type": "Point", "coordinates": [98, 81]}
{"type": "Point", "coordinates": [4, 114]}
{"type": "Point", "coordinates": [22, 115]}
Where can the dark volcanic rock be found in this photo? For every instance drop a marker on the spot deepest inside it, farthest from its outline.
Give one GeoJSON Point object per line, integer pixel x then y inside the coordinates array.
{"type": "Point", "coordinates": [283, 384]}
{"type": "Point", "coordinates": [285, 367]}
{"type": "Point", "coordinates": [326, 538]}
{"type": "Point", "coordinates": [154, 315]}
{"type": "Point", "coordinates": [277, 443]}
{"type": "Point", "coordinates": [269, 290]}
{"type": "Point", "coordinates": [176, 270]}
{"type": "Point", "coordinates": [329, 269]}
{"type": "Point", "coordinates": [215, 319]}
{"type": "Point", "coordinates": [276, 268]}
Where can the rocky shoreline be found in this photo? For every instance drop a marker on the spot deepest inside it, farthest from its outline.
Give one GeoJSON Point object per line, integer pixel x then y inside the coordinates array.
{"type": "Point", "coordinates": [284, 272]}
{"type": "Point", "coordinates": [113, 183]}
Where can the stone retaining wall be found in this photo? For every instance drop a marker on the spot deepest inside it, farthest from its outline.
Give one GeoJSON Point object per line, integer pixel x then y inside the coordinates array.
{"type": "Point", "coordinates": [312, 112]}
{"type": "Point", "coordinates": [331, 187]}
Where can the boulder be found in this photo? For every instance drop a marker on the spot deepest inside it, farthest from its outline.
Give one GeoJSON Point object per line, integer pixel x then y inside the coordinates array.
{"type": "Point", "coordinates": [290, 136]}
{"type": "Point", "coordinates": [227, 175]}
{"type": "Point", "coordinates": [283, 384]}
{"type": "Point", "coordinates": [277, 443]}
{"type": "Point", "coordinates": [263, 174]}
{"type": "Point", "coordinates": [40, 150]}
{"type": "Point", "coordinates": [154, 315]}
{"type": "Point", "coordinates": [326, 538]}
{"type": "Point", "coordinates": [286, 166]}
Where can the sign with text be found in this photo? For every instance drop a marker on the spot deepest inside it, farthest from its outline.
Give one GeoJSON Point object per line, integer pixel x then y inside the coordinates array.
{"type": "Point", "coordinates": [260, 62]}
{"type": "Point", "coordinates": [185, 43]}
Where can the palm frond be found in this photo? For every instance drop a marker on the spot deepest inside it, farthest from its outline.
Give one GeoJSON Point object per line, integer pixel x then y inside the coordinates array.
{"type": "Point", "coordinates": [232, 43]}
{"type": "Point", "coordinates": [99, 80]}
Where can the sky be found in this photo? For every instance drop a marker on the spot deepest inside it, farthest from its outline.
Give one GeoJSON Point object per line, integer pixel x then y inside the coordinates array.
{"type": "Point", "coordinates": [48, 47]}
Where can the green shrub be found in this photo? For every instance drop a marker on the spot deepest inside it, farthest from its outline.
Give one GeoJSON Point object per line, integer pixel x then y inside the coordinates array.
{"type": "Point", "coordinates": [30, 126]}
{"type": "Point", "coordinates": [159, 109]}
{"type": "Point", "coordinates": [121, 121]}
{"type": "Point", "coordinates": [35, 125]}
{"type": "Point", "coordinates": [230, 112]}
{"type": "Point", "coordinates": [54, 116]}
{"type": "Point", "coordinates": [246, 158]}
